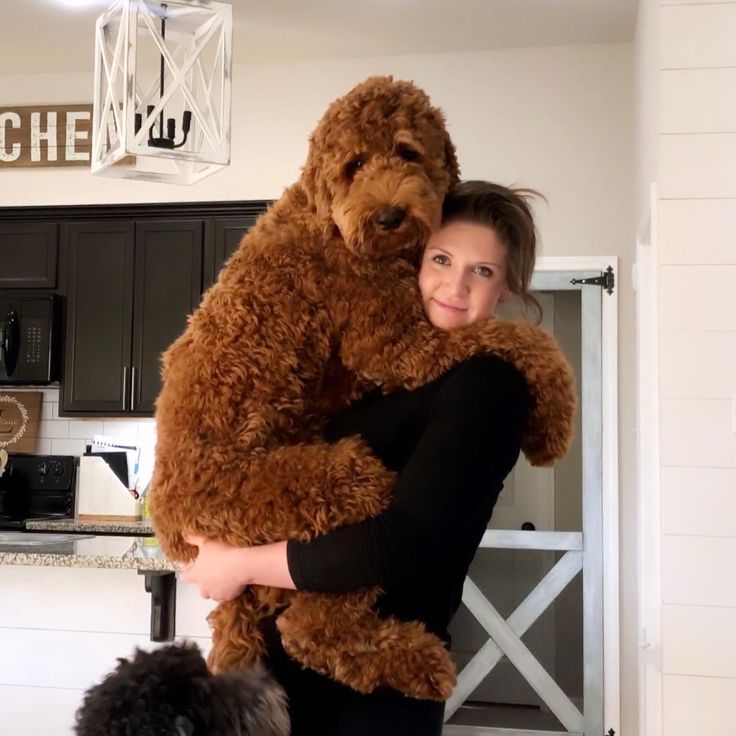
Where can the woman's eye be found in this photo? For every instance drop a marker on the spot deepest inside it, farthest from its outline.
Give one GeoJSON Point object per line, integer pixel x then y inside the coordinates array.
{"type": "Point", "coordinates": [442, 260]}
{"type": "Point", "coordinates": [407, 153]}
{"type": "Point", "coordinates": [484, 271]}
{"type": "Point", "coordinates": [352, 168]}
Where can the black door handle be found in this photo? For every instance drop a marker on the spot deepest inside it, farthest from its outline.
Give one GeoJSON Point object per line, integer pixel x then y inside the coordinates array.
{"type": "Point", "coordinates": [527, 526]}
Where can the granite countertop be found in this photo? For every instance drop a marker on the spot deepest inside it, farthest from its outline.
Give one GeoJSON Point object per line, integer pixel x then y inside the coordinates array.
{"type": "Point", "coordinates": [65, 550]}
{"type": "Point", "coordinates": [72, 526]}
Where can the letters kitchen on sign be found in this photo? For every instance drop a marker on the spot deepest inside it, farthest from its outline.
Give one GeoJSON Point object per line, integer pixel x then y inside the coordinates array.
{"type": "Point", "coordinates": [45, 135]}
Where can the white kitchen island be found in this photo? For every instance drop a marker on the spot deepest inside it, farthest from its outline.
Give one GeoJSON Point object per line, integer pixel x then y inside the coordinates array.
{"type": "Point", "coordinates": [68, 609]}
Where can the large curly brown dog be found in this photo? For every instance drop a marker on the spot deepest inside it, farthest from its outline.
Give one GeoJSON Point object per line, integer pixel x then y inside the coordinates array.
{"type": "Point", "coordinates": [320, 300]}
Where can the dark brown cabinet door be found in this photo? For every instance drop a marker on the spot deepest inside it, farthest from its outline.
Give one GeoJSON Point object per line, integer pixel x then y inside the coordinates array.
{"type": "Point", "coordinates": [99, 317]}
{"type": "Point", "coordinates": [228, 232]}
{"type": "Point", "coordinates": [168, 285]}
{"type": "Point", "coordinates": [28, 253]}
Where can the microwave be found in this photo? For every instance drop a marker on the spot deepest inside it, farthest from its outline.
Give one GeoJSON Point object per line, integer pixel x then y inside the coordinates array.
{"type": "Point", "coordinates": [30, 341]}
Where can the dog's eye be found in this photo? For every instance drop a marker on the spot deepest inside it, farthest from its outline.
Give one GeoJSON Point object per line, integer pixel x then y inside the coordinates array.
{"type": "Point", "coordinates": [407, 153]}
{"type": "Point", "coordinates": [352, 168]}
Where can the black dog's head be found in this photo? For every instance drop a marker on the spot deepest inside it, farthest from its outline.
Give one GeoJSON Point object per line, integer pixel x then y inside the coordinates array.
{"type": "Point", "coordinates": [170, 692]}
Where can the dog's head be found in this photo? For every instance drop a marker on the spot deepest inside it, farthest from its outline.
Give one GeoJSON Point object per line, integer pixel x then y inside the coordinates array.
{"type": "Point", "coordinates": [379, 165]}
{"type": "Point", "coordinates": [170, 692]}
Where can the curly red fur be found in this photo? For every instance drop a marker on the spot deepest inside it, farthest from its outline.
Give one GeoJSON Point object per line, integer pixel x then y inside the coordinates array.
{"type": "Point", "coordinates": [319, 302]}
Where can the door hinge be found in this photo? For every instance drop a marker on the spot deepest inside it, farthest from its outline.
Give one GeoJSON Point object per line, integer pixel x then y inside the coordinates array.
{"type": "Point", "coordinates": [607, 280]}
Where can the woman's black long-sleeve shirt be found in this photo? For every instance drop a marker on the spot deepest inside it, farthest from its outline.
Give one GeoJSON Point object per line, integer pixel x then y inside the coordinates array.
{"type": "Point", "coordinates": [452, 443]}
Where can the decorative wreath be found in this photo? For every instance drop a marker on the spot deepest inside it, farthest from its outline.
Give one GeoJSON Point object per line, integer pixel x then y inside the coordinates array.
{"type": "Point", "coordinates": [23, 415]}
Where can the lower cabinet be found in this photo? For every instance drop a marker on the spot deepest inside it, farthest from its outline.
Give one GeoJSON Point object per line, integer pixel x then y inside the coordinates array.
{"type": "Point", "coordinates": [129, 288]}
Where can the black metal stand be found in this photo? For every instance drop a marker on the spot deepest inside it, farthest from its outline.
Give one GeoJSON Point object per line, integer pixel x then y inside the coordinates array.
{"type": "Point", "coordinates": [162, 587]}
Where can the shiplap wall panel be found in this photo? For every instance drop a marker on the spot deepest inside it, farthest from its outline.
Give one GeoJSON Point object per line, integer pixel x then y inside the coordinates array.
{"type": "Point", "coordinates": [697, 231]}
{"type": "Point", "coordinates": [695, 298]}
{"type": "Point", "coordinates": [698, 101]}
{"type": "Point", "coordinates": [65, 659]}
{"type": "Point", "coordinates": [698, 501]}
{"type": "Point", "coordinates": [33, 711]}
{"type": "Point", "coordinates": [92, 600]}
{"type": "Point", "coordinates": [696, 36]}
{"type": "Point", "coordinates": [681, 376]}
{"type": "Point", "coordinates": [698, 571]}
{"type": "Point", "coordinates": [700, 165]}
{"type": "Point", "coordinates": [697, 433]}
{"type": "Point", "coordinates": [699, 640]}
{"type": "Point", "coordinates": [698, 706]}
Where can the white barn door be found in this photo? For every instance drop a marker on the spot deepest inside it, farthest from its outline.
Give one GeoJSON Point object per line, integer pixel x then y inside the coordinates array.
{"type": "Point", "coordinates": [528, 559]}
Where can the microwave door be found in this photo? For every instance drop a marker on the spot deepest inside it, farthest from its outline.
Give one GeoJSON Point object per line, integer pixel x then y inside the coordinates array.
{"type": "Point", "coordinates": [10, 342]}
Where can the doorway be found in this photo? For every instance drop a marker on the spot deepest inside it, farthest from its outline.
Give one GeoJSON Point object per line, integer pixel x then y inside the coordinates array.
{"type": "Point", "coordinates": [529, 637]}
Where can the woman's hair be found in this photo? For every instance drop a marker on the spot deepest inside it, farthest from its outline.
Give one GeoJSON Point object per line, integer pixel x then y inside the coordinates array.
{"type": "Point", "coordinates": [506, 210]}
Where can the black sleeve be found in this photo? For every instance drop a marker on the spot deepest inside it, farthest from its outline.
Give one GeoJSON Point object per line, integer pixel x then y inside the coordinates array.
{"type": "Point", "coordinates": [469, 445]}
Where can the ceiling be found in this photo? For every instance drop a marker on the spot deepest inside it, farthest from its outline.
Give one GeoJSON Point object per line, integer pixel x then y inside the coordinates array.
{"type": "Point", "coordinates": [57, 35]}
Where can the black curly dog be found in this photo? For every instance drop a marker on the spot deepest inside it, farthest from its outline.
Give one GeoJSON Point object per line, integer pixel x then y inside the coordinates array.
{"type": "Point", "coordinates": [170, 692]}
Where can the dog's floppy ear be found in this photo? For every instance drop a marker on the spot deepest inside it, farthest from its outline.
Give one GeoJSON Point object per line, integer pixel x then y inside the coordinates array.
{"type": "Point", "coordinates": [315, 186]}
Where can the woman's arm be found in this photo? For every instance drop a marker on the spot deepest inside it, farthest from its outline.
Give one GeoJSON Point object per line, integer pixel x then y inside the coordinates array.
{"type": "Point", "coordinates": [470, 443]}
{"type": "Point", "coordinates": [222, 572]}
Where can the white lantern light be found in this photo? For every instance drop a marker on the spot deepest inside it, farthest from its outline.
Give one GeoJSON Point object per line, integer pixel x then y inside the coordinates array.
{"type": "Point", "coordinates": [162, 90]}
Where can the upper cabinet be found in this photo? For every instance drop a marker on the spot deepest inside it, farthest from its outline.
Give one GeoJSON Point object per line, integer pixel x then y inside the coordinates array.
{"type": "Point", "coordinates": [128, 275]}
{"type": "Point", "coordinates": [130, 288]}
{"type": "Point", "coordinates": [28, 254]}
{"type": "Point", "coordinates": [227, 234]}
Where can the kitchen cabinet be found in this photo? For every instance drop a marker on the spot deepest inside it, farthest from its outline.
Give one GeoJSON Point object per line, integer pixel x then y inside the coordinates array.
{"type": "Point", "coordinates": [227, 234]}
{"type": "Point", "coordinates": [129, 288]}
{"type": "Point", "coordinates": [28, 255]}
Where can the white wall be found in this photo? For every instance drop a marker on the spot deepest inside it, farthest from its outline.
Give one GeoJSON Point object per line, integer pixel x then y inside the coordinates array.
{"type": "Point", "coordinates": [694, 117]}
{"type": "Point", "coordinates": [697, 358]}
{"type": "Point", "coordinates": [557, 119]}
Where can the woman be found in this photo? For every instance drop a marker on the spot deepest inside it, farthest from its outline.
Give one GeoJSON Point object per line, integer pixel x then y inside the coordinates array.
{"type": "Point", "coordinates": [452, 442]}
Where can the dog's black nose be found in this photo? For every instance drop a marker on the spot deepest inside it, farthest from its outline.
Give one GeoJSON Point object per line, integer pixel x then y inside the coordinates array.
{"type": "Point", "coordinates": [389, 218]}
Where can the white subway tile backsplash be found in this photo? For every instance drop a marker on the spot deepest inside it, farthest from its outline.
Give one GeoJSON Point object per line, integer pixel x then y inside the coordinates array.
{"type": "Point", "coordinates": [698, 165]}
{"type": "Point", "coordinates": [122, 429]}
{"type": "Point", "coordinates": [697, 298]}
{"type": "Point", "coordinates": [696, 36]}
{"type": "Point", "coordinates": [697, 365]}
{"type": "Point", "coordinates": [698, 571]}
{"type": "Point", "coordinates": [698, 501]}
{"type": "Point", "coordinates": [695, 101]}
{"type": "Point", "coordinates": [697, 432]}
{"type": "Point", "coordinates": [697, 231]}
{"type": "Point", "coordinates": [43, 447]}
{"type": "Point", "coordinates": [85, 428]}
{"type": "Point", "coordinates": [698, 705]}
{"type": "Point", "coordinates": [699, 640]}
{"type": "Point", "coordinates": [67, 447]}
{"type": "Point", "coordinates": [53, 428]}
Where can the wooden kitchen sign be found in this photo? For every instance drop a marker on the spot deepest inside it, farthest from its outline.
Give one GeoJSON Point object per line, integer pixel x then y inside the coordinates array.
{"type": "Point", "coordinates": [45, 135]}
{"type": "Point", "coordinates": [20, 412]}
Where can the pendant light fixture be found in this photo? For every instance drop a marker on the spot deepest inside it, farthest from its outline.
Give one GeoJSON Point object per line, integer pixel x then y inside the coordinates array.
{"type": "Point", "coordinates": [162, 90]}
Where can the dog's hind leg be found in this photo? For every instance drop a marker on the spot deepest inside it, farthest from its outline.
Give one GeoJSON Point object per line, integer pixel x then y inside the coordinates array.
{"type": "Point", "coordinates": [342, 637]}
{"type": "Point", "coordinates": [237, 641]}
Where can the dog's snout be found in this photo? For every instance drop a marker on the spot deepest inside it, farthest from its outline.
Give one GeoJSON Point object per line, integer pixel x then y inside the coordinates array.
{"type": "Point", "coordinates": [389, 218]}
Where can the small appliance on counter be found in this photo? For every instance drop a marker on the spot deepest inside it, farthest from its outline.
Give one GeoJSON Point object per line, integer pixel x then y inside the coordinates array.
{"type": "Point", "coordinates": [36, 487]}
{"type": "Point", "coordinates": [29, 339]}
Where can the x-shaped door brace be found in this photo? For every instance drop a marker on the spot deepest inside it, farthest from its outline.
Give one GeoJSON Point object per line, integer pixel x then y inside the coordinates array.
{"type": "Point", "coordinates": [505, 635]}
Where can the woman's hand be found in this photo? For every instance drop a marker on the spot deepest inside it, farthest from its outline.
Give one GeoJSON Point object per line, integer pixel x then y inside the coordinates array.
{"type": "Point", "coordinates": [220, 571]}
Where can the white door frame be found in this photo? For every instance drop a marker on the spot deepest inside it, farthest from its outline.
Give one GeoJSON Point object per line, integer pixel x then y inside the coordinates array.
{"type": "Point", "coordinates": [609, 479]}
{"type": "Point", "coordinates": [610, 500]}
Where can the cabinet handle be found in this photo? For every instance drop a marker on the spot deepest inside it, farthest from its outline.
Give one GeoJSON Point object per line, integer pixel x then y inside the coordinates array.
{"type": "Point", "coordinates": [132, 387]}
{"type": "Point", "coordinates": [125, 386]}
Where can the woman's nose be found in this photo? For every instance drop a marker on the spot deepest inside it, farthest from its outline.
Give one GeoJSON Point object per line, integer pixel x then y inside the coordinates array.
{"type": "Point", "coordinates": [457, 285]}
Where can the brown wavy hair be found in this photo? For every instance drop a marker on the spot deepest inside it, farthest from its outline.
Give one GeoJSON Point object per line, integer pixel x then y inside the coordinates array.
{"type": "Point", "coordinates": [508, 212]}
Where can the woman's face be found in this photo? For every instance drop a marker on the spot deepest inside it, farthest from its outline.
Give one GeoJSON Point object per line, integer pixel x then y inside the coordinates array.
{"type": "Point", "coordinates": [463, 274]}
